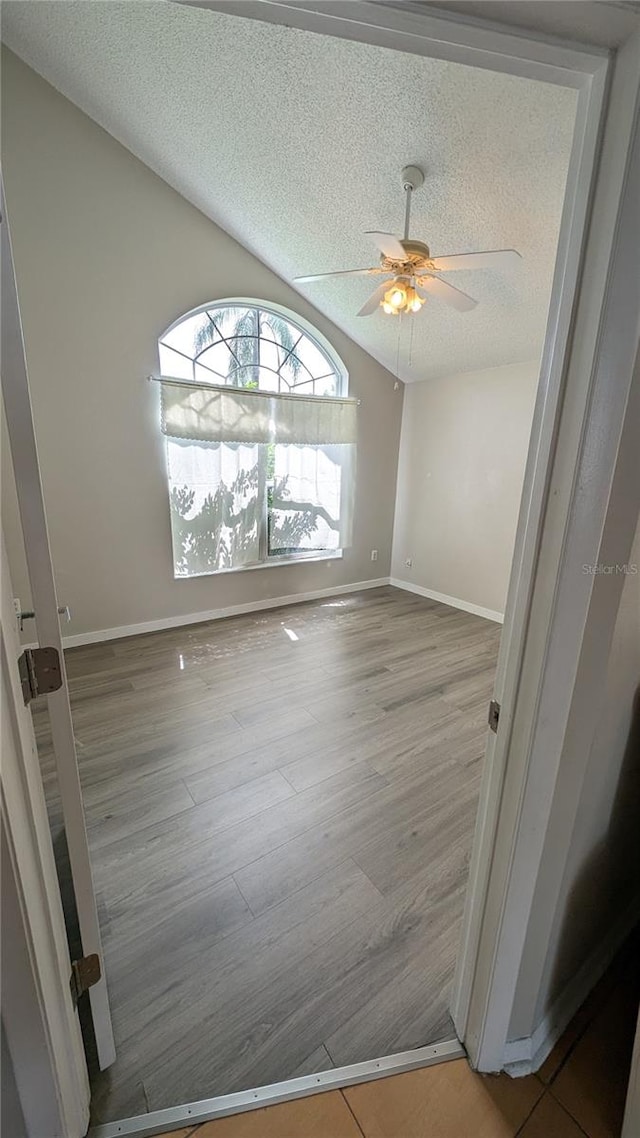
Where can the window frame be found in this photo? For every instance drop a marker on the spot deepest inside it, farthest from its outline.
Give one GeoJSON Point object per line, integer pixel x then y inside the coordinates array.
{"type": "Point", "coordinates": [320, 342]}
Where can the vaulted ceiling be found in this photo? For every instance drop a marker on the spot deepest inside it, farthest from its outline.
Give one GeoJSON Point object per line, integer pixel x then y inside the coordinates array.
{"type": "Point", "coordinates": [294, 143]}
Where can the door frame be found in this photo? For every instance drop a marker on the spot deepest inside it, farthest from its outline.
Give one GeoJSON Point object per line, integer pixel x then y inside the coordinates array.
{"type": "Point", "coordinates": [540, 755]}
{"type": "Point", "coordinates": [549, 528]}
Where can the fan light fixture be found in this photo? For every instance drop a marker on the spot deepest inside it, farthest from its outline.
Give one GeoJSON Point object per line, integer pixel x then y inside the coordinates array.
{"type": "Point", "coordinates": [401, 297]}
{"type": "Point", "coordinates": [408, 270]}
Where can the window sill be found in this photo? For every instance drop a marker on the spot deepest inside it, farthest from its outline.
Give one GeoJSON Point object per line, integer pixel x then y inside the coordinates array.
{"type": "Point", "coordinates": [272, 563]}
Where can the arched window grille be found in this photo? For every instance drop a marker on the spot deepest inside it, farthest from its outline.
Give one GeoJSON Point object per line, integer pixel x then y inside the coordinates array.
{"type": "Point", "coordinates": [252, 346]}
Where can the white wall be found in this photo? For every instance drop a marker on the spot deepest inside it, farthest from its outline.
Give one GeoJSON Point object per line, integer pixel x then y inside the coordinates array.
{"type": "Point", "coordinates": [601, 881]}
{"type": "Point", "coordinates": [107, 255]}
{"type": "Point", "coordinates": [462, 456]}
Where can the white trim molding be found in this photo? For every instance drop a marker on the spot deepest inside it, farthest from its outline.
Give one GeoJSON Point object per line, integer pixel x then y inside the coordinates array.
{"type": "Point", "coordinates": [444, 599]}
{"type": "Point", "coordinates": [525, 1056]}
{"type": "Point", "coordinates": [436, 34]}
{"type": "Point", "coordinates": [75, 640]}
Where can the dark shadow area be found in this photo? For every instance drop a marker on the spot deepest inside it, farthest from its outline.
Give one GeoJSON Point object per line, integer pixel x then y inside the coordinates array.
{"type": "Point", "coordinates": [609, 879]}
{"type": "Point", "coordinates": [606, 887]}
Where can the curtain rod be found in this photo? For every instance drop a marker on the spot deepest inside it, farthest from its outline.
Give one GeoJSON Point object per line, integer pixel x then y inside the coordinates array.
{"type": "Point", "coordinates": [172, 382]}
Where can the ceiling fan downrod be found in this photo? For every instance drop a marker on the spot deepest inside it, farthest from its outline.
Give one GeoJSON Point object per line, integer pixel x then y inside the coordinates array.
{"type": "Point", "coordinates": [412, 179]}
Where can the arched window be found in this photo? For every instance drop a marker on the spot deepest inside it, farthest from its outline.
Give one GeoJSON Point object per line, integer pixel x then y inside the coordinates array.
{"type": "Point", "coordinates": [260, 439]}
{"type": "Point", "coordinates": [251, 345]}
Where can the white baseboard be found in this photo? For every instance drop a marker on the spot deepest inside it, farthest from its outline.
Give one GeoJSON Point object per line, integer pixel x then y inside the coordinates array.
{"type": "Point", "coordinates": [454, 602]}
{"type": "Point", "coordinates": [102, 634]}
{"type": "Point", "coordinates": [525, 1056]}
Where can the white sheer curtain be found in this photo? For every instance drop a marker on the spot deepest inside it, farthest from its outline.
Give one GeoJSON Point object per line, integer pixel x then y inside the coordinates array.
{"type": "Point", "coordinates": [213, 490]}
{"type": "Point", "coordinates": [254, 475]}
{"type": "Point", "coordinates": [311, 496]}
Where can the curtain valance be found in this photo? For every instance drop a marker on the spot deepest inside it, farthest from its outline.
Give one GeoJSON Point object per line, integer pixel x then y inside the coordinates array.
{"type": "Point", "coordinates": [242, 415]}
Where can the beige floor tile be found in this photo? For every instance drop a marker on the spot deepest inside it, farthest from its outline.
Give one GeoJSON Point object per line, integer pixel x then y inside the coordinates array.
{"type": "Point", "coordinates": [319, 1116]}
{"type": "Point", "coordinates": [550, 1120]}
{"type": "Point", "coordinates": [180, 1133]}
{"type": "Point", "coordinates": [445, 1101]}
{"type": "Point", "coordinates": [593, 1082]}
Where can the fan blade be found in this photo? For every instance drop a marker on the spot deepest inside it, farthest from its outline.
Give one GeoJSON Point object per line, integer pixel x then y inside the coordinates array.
{"type": "Point", "coordinates": [492, 259]}
{"type": "Point", "coordinates": [372, 303]}
{"type": "Point", "coordinates": [388, 244]}
{"type": "Point", "coordinates": [448, 293]}
{"type": "Point", "coordinates": [341, 273]}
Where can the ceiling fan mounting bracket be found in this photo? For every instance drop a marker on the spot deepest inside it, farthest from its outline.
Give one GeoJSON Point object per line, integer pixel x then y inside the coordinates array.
{"type": "Point", "coordinates": [412, 178]}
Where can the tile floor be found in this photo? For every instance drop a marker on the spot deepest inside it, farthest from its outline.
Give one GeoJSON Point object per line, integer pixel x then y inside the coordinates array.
{"type": "Point", "coordinates": [578, 1093]}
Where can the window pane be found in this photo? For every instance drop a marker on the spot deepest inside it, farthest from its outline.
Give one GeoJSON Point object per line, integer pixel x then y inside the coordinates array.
{"type": "Point", "coordinates": [191, 335]}
{"type": "Point", "coordinates": [233, 317]}
{"type": "Point", "coordinates": [271, 355]}
{"type": "Point", "coordinates": [217, 359]}
{"type": "Point", "coordinates": [305, 499]}
{"type": "Point", "coordinates": [278, 329]}
{"type": "Point", "coordinates": [292, 371]}
{"type": "Point", "coordinates": [174, 365]}
{"type": "Point", "coordinates": [243, 370]}
{"type": "Point", "coordinates": [328, 385]}
{"type": "Point", "coordinates": [213, 491]}
{"type": "Point", "coordinates": [313, 358]}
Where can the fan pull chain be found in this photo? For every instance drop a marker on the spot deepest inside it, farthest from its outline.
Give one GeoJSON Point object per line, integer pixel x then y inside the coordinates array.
{"type": "Point", "coordinates": [411, 344]}
{"type": "Point", "coordinates": [398, 347]}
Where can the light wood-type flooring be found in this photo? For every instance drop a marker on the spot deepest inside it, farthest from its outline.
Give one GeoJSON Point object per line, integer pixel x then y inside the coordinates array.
{"type": "Point", "coordinates": [280, 810]}
{"type": "Point", "coordinates": [579, 1091]}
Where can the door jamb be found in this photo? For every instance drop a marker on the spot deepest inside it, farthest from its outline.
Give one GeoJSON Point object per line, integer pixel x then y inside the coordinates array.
{"type": "Point", "coordinates": [589, 519]}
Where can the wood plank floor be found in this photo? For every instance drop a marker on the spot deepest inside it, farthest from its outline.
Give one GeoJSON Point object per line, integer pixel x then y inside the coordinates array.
{"type": "Point", "coordinates": [579, 1092]}
{"type": "Point", "coordinates": [280, 809]}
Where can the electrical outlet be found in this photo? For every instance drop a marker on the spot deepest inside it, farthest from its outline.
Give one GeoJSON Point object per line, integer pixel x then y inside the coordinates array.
{"type": "Point", "coordinates": [374, 554]}
{"type": "Point", "coordinates": [409, 562]}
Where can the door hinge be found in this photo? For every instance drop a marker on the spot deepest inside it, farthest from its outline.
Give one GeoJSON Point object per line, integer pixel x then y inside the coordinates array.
{"type": "Point", "coordinates": [84, 974]}
{"type": "Point", "coordinates": [40, 672]}
{"type": "Point", "coordinates": [494, 714]}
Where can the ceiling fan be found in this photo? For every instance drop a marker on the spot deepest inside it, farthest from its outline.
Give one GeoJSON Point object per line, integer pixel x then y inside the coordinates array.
{"type": "Point", "coordinates": [409, 271]}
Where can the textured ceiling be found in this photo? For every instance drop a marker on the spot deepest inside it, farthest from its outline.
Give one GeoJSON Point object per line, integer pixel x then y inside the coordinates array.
{"type": "Point", "coordinates": [293, 142]}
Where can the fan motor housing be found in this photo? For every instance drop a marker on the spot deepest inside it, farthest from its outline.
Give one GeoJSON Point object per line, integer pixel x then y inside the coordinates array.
{"type": "Point", "coordinates": [418, 256]}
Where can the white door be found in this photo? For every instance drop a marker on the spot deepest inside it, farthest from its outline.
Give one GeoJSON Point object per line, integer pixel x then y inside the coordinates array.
{"type": "Point", "coordinates": [38, 1014]}
{"type": "Point", "coordinates": [19, 420]}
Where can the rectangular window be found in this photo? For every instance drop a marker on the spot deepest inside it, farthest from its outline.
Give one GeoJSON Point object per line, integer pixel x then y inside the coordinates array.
{"type": "Point", "coordinates": [250, 482]}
